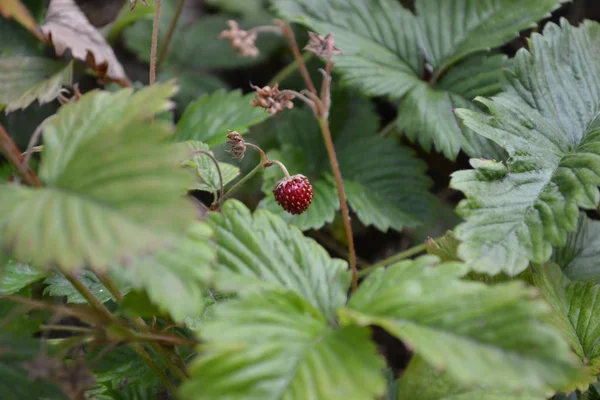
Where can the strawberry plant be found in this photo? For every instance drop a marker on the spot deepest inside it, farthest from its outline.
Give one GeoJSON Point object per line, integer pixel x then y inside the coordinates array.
{"type": "Point", "coordinates": [299, 199]}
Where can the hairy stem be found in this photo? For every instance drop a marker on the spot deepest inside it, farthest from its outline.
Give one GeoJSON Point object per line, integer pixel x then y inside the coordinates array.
{"type": "Point", "coordinates": [339, 183]}
{"type": "Point", "coordinates": [395, 258]}
{"type": "Point", "coordinates": [167, 41]}
{"type": "Point", "coordinates": [34, 139]}
{"type": "Point", "coordinates": [9, 150]}
{"type": "Point", "coordinates": [280, 165]}
{"type": "Point", "coordinates": [289, 69]}
{"type": "Point", "coordinates": [87, 294]}
{"type": "Point", "coordinates": [245, 179]}
{"type": "Point", "coordinates": [321, 113]}
{"type": "Point", "coordinates": [152, 77]}
{"type": "Point", "coordinates": [138, 348]}
{"type": "Point", "coordinates": [214, 160]}
{"type": "Point", "coordinates": [289, 34]}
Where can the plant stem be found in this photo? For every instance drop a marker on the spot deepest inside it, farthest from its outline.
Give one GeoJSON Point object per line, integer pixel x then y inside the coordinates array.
{"type": "Point", "coordinates": [167, 41]}
{"type": "Point", "coordinates": [214, 160]}
{"type": "Point", "coordinates": [89, 296]}
{"type": "Point", "coordinates": [152, 77]}
{"type": "Point", "coordinates": [339, 183]}
{"type": "Point", "coordinates": [395, 258]}
{"type": "Point", "coordinates": [289, 34]}
{"type": "Point", "coordinates": [34, 139]}
{"type": "Point", "coordinates": [110, 286]}
{"type": "Point", "coordinates": [289, 69]}
{"type": "Point", "coordinates": [66, 328]}
{"type": "Point", "coordinates": [388, 129]}
{"type": "Point", "coordinates": [321, 112]}
{"type": "Point", "coordinates": [13, 155]}
{"type": "Point", "coordinates": [154, 366]}
{"type": "Point", "coordinates": [174, 340]}
{"type": "Point", "coordinates": [280, 165]}
{"type": "Point", "coordinates": [245, 179]}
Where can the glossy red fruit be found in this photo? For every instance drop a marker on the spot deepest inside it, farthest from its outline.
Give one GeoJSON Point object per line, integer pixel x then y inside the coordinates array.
{"type": "Point", "coordinates": [294, 194]}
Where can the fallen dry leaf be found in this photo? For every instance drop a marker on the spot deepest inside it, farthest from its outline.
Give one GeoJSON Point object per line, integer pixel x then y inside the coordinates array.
{"type": "Point", "coordinates": [15, 9]}
{"type": "Point", "coordinates": [68, 28]}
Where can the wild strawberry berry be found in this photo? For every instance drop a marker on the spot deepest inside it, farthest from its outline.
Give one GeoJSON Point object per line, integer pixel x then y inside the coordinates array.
{"type": "Point", "coordinates": [294, 194]}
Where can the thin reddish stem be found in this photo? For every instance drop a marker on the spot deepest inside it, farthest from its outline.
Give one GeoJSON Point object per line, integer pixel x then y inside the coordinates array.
{"type": "Point", "coordinates": [289, 34]}
{"type": "Point", "coordinates": [9, 150]}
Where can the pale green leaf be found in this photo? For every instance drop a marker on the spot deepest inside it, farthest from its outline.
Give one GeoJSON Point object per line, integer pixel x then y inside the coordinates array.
{"type": "Point", "coordinates": [175, 279]}
{"type": "Point", "coordinates": [15, 276]}
{"type": "Point", "coordinates": [378, 38]}
{"type": "Point", "coordinates": [548, 123]}
{"type": "Point", "coordinates": [209, 118]}
{"type": "Point", "coordinates": [24, 80]}
{"type": "Point", "coordinates": [421, 381]}
{"type": "Point", "coordinates": [491, 336]}
{"type": "Point", "coordinates": [576, 314]}
{"type": "Point", "coordinates": [453, 29]}
{"type": "Point", "coordinates": [384, 182]}
{"type": "Point", "coordinates": [58, 285]}
{"type": "Point", "coordinates": [580, 257]}
{"type": "Point", "coordinates": [262, 250]}
{"type": "Point", "coordinates": [113, 184]}
{"type": "Point", "coordinates": [276, 345]}
{"type": "Point", "coordinates": [204, 166]}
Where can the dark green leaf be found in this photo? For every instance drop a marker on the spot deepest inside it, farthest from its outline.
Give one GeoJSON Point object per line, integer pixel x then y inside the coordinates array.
{"type": "Point", "coordinates": [58, 285]}
{"type": "Point", "coordinates": [580, 257]}
{"type": "Point", "coordinates": [210, 117]}
{"type": "Point", "coordinates": [204, 166]}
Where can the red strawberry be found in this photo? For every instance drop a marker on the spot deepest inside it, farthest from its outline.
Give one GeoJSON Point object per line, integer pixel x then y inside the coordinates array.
{"type": "Point", "coordinates": [294, 194]}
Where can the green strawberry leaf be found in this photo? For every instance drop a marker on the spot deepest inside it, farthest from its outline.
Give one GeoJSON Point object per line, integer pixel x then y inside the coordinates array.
{"type": "Point", "coordinates": [175, 279]}
{"type": "Point", "coordinates": [576, 314]}
{"type": "Point", "coordinates": [24, 80]}
{"type": "Point", "coordinates": [481, 335]}
{"type": "Point", "coordinates": [274, 345]}
{"type": "Point", "coordinates": [580, 257]}
{"type": "Point", "coordinates": [383, 45]}
{"type": "Point", "coordinates": [421, 381]}
{"type": "Point", "coordinates": [209, 118]}
{"type": "Point", "coordinates": [15, 276]}
{"type": "Point", "coordinates": [385, 184]}
{"type": "Point", "coordinates": [261, 250]}
{"type": "Point", "coordinates": [113, 184]}
{"type": "Point", "coordinates": [454, 29]}
{"type": "Point", "coordinates": [548, 123]}
{"type": "Point", "coordinates": [58, 285]}
{"type": "Point", "coordinates": [207, 171]}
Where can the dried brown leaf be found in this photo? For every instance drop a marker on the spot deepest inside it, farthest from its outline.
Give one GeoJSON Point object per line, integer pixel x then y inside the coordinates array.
{"type": "Point", "coordinates": [15, 9]}
{"type": "Point", "coordinates": [68, 28]}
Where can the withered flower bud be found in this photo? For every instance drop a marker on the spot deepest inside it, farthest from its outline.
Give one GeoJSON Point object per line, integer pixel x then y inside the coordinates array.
{"type": "Point", "coordinates": [237, 145]}
{"type": "Point", "coordinates": [241, 41]}
{"type": "Point", "coordinates": [271, 98]}
{"type": "Point", "coordinates": [322, 46]}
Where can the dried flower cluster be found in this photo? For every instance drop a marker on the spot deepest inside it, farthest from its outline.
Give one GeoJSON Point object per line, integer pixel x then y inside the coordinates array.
{"type": "Point", "coordinates": [322, 46]}
{"type": "Point", "coordinates": [241, 41]}
{"type": "Point", "coordinates": [237, 145]}
{"type": "Point", "coordinates": [272, 98]}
